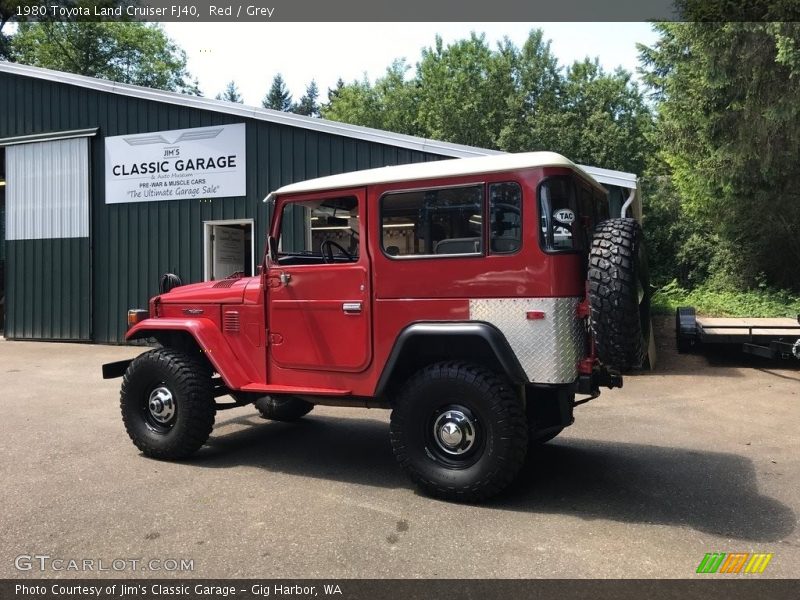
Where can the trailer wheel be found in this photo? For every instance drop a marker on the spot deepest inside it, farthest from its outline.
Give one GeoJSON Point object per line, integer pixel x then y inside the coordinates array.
{"type": "Point", "coordinates": [459, 431]}
{"type": "Point", "coordinates": [284, 408]}
{"type": "Point", "coordinates": [619, 293]}
{"type": "Point", "coordinates": [167, 403]}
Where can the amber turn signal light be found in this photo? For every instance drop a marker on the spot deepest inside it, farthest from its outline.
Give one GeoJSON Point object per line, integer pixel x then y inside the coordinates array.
{"type": "Point", "coordinates": [137, 315]}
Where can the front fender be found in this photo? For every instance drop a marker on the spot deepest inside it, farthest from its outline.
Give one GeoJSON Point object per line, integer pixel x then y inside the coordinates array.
{"type": "Point", "coordinates": [208, 337]}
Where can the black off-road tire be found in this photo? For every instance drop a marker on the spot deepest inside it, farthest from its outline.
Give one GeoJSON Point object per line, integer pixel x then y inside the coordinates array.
{"type": "Point", "coordinates": [619, 294]}
{"type": "Point", "coordinates": [188, 380]}
{"type": "Point", "coordinates": [282, 408]}
{"type": "Point", "coordinates": [500, 441]}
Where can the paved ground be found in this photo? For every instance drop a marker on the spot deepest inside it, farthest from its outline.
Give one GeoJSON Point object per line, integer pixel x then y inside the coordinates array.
{"type": "Point", "coordinates": [698, 456]}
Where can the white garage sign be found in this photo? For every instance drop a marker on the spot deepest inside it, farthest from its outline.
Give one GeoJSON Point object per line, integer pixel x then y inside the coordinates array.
{"type": "Point", "coordinates": [204, 162]}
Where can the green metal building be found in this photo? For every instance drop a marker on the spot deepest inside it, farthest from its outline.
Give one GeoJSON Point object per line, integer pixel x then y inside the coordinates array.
{"type": "Point", "coordinates": [88, 226]}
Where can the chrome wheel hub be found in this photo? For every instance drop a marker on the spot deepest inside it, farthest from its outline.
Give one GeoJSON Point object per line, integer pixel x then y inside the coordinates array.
{"type": "Point", "coordinates": [161, 405]}
{"type": "Point", "coordinates": [454, 431]}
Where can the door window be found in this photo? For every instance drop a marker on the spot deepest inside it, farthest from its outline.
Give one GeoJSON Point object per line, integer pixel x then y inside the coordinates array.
{"type": "Point", "coordinates": [319, 232]}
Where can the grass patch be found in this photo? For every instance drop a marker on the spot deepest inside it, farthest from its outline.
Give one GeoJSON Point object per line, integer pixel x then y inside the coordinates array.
{"type": "Point", "coordinates": [763, 302]}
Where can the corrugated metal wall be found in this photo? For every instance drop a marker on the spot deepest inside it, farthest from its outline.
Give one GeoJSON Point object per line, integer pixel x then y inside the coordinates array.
{"type": "Point", "coordinates": [133, 244]}
{"type": "Point", "coordinates": [48, 297]}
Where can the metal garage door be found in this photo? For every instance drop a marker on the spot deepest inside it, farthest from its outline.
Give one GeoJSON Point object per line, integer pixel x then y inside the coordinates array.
{"type": "Point", "coordinates": [47, 240]}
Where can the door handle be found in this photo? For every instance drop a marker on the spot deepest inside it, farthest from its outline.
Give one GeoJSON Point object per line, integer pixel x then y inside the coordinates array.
{"type": "Point", "coordinates": [285, 278]}
{"type": "Point", "coordinates": [351, 308]}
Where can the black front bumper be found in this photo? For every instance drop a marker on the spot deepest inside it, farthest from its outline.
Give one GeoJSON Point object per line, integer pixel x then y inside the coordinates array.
{"type": "Point", "coordinates": [116, 369]}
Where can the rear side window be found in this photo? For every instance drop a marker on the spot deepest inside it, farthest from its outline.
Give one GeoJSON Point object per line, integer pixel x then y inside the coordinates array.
{"type": "Point", "coordinates": [560, 228]}
{"type": "Point", "coordinates": [505, 217]}
{"type": "Point", "coordinates": [440, 222]}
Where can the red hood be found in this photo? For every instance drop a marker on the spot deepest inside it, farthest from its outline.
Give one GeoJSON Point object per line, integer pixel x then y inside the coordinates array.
{"type": "Point", "coordinates": [224, 291]}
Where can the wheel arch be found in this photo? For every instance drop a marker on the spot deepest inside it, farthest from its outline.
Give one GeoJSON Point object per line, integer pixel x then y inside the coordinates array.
{"type": "Point", "coordinates": [420, 344]}
{"type": "Point", "coordinates": [195, 335]}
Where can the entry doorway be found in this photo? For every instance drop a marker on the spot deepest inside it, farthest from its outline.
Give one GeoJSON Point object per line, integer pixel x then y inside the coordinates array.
{"type": "Point", "coordinates": [229, 247]}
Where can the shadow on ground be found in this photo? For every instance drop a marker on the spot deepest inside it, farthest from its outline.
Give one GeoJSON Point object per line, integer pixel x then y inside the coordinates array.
{"type": "Point", "coordinates": [711, 492]}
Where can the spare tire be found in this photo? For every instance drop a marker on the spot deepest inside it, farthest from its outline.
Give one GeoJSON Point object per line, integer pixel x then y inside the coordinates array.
{"type": "Point", "coordinates": [619, 294]}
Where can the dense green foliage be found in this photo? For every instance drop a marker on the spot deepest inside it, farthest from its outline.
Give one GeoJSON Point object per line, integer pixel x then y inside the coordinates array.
{"type": "Point", "coordinates": [508, 98]}
{"type": "Point", "coordinates": [128, 52]}
{"type": "Point", "coordinates": [6, 13]}
{"type": "Point", "coordinates": [759, 302]}
{"type": "Point", "coordinates": [728, 133]}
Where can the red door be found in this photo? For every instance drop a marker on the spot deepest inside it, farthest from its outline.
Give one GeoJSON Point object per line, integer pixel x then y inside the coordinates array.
{"type": "Point", "coordinates": [318, 290]}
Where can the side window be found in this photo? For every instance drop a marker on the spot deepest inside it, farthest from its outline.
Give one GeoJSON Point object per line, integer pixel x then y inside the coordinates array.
{"type": "Point", "coordinates": [319, 231]}
{"type": "Point", "coordinates": [505, 212]}
{"type": "Point", "coordinates": [558, 210]}
{"type": "Point", "coordinates": [433, 222]}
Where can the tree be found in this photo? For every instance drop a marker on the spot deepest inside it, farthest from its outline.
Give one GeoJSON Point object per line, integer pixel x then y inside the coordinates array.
{"type": "Point", "coordinates": [6, 14]}
{"type": "Point", "coordinates": [534, 117]}
{"type": "Point", "coordinates": [462, 92]}
{"type": "Point", "coordinates": [278, 96]}
{"type": "Point", "coordinates": [729, 122]}
{"type": "Point", "coordinates": [128, 52]}
{"type": "Point", "coordinates": [308, 104]}
{"type": "Point", "coordinates": [231, 93]}
{"type": "Point", "coordinates": [515, 99]}
{"type": "Point", "coordinates": [355, 103]}
{"type": "Point", "coordinates": [605, 119]}
{"type": "Point", "coordinates": [334, 92]}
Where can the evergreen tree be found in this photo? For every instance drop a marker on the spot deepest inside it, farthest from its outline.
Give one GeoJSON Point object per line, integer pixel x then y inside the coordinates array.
{"type": "Point", "coordinates": [308, 104]}
{"type": "Point", "coordinates": [278, 97]}
{"type": "Point", "coordinates": [231, 93]}
{"type": "Point", "coordinates": [729, 131]}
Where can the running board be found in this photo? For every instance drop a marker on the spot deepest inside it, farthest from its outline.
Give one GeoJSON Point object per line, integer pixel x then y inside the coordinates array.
{"type": "Point", "coordinates": [293, 390]}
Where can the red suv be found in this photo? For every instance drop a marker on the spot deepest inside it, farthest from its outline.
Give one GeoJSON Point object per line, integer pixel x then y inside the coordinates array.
{"type": "Point", "coordinates": [475, 298]}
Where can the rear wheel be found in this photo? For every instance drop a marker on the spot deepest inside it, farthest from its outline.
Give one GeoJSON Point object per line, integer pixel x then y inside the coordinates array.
{"type": "Point", "coordinates": [459, 431]}
{"type": "Point", "coordinates": [619, 293]}
{"type": "Point", "coordinates": [282, 408]}
{"type": "Point", "coordinates": [167, 403]}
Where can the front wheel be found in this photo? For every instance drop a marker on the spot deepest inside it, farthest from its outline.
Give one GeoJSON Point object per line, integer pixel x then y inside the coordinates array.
{"type": "Point", "coordinates": [459, 431]}
{"type": "Point", "coordinates": [167, 403]}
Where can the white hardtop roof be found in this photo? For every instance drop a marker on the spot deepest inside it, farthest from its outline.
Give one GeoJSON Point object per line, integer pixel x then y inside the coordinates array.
{"type": "Point", "coordinates": [433, 169]}
{"type": "Point", "coordinates": [368, 134]}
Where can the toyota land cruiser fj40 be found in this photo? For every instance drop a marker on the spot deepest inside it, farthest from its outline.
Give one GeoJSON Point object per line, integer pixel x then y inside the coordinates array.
{"type": "Point", "coordinates": [476, 298]}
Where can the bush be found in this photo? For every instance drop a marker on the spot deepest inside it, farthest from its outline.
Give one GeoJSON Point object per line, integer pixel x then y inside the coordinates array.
{"type": "Point", "coordinates": [710, 301]}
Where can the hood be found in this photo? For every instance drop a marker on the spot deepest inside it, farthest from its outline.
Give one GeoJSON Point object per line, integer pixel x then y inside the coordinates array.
{"type": "Point", "coordinates": [223, 291]}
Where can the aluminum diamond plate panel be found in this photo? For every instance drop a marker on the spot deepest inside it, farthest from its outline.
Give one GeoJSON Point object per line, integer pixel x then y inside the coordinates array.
{"type": "Point", "coordinates": [548, 349]}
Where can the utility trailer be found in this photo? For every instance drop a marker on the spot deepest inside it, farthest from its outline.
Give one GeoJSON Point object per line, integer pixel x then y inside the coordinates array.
{"type": "Point", "coordinates": [765, 337]}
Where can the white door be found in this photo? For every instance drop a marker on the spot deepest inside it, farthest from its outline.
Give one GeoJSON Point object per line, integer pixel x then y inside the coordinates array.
{"type": "Point", "coordinates": [227, 251]}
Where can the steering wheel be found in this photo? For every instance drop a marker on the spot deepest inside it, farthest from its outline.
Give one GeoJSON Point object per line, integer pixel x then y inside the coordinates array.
{"type": "Point", "coordinates": [326, 249]}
